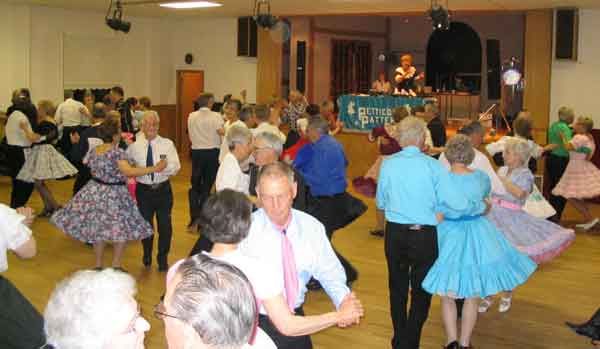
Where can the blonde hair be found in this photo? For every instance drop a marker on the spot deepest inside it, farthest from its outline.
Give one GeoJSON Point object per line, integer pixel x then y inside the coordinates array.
{"type": "Point", "coordinates": [565, 113]}
{"type": "Point", "coordinates": [587, 122]}
{"type": "Point", "coordinates": [47, 106]}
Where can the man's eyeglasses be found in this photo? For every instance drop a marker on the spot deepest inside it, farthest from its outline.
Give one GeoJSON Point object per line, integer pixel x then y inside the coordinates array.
{"type": "Point", "coordinates": [160, 312]}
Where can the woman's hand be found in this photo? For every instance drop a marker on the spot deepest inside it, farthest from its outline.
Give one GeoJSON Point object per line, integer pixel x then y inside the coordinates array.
{"type": "Point", "coordinates": [160, 166]}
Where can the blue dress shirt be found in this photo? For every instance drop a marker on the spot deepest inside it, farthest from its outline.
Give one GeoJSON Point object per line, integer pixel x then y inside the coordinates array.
{"type": "Point", "coordinates": [323, 165]}
{"type": "Point", "coordinates": [412, 187]}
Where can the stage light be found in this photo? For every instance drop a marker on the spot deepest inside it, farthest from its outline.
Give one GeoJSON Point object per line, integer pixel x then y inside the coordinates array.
{"type": "Point", "coordinates": [116, 22]}
{"type": "Point", "coordinates": [262, 14]}
{"type": "Point", "coordinates": [439, 16]}
{"type": "Point", "coordinates": [511, 73]}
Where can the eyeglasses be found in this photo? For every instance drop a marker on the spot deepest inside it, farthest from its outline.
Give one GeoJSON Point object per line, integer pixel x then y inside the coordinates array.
{"type": "Point", "coordinates": [160, 312]}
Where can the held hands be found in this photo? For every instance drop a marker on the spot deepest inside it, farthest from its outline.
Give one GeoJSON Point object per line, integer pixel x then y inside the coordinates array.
{"type": "Point", "coordinates": [28, 213]}
{"type": "Point", "coordinates": [221, 132]}
{"type": "Point", "coordinates": [350, 311]}
{"type": "Point", "coordinates": [24, 125]}
{"type": "Point", "coordinates": [160, 166]}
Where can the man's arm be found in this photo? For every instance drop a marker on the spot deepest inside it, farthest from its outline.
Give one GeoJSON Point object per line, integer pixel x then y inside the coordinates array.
{"type": "Point", "coordinates": [173, 163]}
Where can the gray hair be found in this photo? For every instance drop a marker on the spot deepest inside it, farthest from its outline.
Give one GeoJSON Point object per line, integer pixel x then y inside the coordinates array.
{"type": "Point", "coordinates": [262, 112]}
{"type": "Point", "coordinates": [411, 131]}
{"type": "Point", "coordinates": [318, 124]}
{"type": "Point", "coordinates": [473, 127]}
{"type": "Point", "coordinates": [238, 135]}
{"type": "Point", "coordinates": [204, 99]}
{"type": "Point", "coordinates": [565, 113]}
{"type": "Point", "coordinates": [216, 300]}
{"type": "Point", "coordinates": [82, 308]}
{"type": "Point", "coordinates": [246, 113]}
{"type": "Point", "coordinates": [272, 141]}
{"type": "Point", "coordinates": [459, 149]}
{"type": "Point", "coordinates": [150, 114]}
{"type": "Point", "coordinates": [278, 169]}
{"type": "Point", "coordinates": [518, 147]}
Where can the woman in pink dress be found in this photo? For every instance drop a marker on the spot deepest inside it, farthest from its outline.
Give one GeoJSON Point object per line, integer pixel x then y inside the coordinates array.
{"type": "Point", "coordinates": [581, 179]}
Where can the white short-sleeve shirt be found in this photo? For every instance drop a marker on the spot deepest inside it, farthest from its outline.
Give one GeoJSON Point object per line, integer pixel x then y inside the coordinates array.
{"type": "Point", "coordinates": [230, 175]}
{"type": "Point", "coordinates": [14, 134]}
{"type": "Point", "coordinates": [13, 233]}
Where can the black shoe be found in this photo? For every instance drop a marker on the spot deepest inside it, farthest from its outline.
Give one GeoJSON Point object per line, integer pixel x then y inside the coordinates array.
{"type": "Point", "coordinates": [120, 269]}
{"type": "Point", "coordinates": [377, 232]}
{"type": "Point", "coordinates": [98, 268]}
{"type": "Point", "coordinates": [590, 329]}
{"type": "Point", "coordinates": [453, 345]}
{"type": "Point", "coordinates": [147, 261]}
{"type": "Point", "coordinates": [163, 267]}
{"type": "Point", "coordinates": [314, 285]}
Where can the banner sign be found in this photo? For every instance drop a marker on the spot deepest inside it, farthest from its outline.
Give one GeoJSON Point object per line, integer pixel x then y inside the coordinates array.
{"type": "Point", "coordinates": [363, 113]}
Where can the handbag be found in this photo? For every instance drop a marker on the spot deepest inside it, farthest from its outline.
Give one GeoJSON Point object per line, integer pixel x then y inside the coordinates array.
{"type": "Point", "coordinates": [537, 206]}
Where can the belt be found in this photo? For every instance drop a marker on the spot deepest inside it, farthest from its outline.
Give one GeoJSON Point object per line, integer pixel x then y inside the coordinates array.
{"type": "Point", "coordinates": [414, 226]}
{"type": "Point", "coordinates": [506, 204]}
{"type": "Point", "coordinates": [154, 186]}
{"type": "Point", "coordinates": [97, 180]}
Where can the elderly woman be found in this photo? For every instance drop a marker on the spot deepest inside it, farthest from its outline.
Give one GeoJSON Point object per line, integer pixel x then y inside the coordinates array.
{"type": "Point", "coordinates": [542, 240]}
{"type": "Point", "coordinates": [95, 310]}
{"type": "Point", "coordinates": [210, 304]}
{"type": "Point", "coordinates": [475, 260]}
{"type": "Point", "coordinates": [226, 221]}
{"type": "Point", "coordinates": [230, 175]}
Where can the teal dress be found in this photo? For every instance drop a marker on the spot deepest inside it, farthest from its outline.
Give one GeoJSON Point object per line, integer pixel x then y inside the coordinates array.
{"type": "Point", "coordinates": [475, 259]}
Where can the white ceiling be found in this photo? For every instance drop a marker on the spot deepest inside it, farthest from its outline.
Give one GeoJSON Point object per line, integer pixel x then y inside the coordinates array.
{"type": "Point", "coordinates": [311, 7]}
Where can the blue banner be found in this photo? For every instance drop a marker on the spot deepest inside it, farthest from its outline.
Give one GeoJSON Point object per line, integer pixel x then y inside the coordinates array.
{"type": "Point", "coordinates": [363, 113]}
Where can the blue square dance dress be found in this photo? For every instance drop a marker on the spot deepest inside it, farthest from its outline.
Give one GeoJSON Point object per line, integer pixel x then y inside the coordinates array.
{"type": "Point", "coordinates": [475, 259]}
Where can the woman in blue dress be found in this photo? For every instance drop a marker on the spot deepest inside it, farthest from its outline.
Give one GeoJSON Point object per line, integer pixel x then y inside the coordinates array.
{"type": "Point", "coordinates": [475, 259]}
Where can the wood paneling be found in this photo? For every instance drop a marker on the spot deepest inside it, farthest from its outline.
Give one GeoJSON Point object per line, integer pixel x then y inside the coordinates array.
{"type": "Point", "coordinates": [168, 122]}
{"type": "Point", "coordinates": [360, 152]}
{"type": "Point", "coordinates": [320, 30]}
{"type": "Point", "coordinates": [537, 69]}
{"type": "Point", "coordinates": [268, 69]}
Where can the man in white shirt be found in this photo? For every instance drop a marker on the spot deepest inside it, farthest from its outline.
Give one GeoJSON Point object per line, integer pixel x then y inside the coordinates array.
{"type": "Point", "coordinates": [230, 175]}
{"type": "Point", "coordinates": [153, 191]}
{"type": "Point", "coordinates": [263, 114]}
{"type": "Point", "coordinates": [312, 253]}
{"type": "Point", "coordinates": [203, 128]}
{"type": "Point", "coordinates": [22, 325]}
{"type": "Point", "coordinates": [382, 85]}
{"type": "Point", "coordinates": [69, 116]}
{"type": "Point", "coordinates": [199, 315]}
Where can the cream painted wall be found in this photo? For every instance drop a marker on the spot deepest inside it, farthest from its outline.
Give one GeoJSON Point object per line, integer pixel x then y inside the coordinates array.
{"type": "Point", "coordinates": [33, 38]}
{"type": "Point", "coordinates": [575, 83]}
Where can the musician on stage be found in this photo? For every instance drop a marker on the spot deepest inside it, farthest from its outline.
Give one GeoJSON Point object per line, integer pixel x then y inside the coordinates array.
{"type": "Point", "coordinates": [382, 85]}
{"type": "Point", "coordinates": [406, 77]}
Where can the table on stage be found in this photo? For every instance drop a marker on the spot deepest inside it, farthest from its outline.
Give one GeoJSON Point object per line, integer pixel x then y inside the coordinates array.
{"type": "Point", "coordinates": [361, 113]}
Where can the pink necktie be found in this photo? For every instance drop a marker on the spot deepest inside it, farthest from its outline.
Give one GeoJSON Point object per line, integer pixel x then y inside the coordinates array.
{"type": "Point", "coordinates": [290, 274]}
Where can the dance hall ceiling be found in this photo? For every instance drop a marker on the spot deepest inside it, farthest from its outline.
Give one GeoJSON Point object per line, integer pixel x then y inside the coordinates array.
{"type": "Point", "coordinates": [311, 7]}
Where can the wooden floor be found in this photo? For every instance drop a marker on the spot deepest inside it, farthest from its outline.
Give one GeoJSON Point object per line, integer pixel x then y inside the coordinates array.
{"type": "Point", "coordinates": [566, 289]}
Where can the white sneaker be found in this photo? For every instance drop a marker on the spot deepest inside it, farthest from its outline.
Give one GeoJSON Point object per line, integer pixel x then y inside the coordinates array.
{"type": "Point", "coordinates": [485, 304]}
{"type": "Point", "coordinates": [591, 224]}
{"type": "Point", "coordinates": [505, 304]}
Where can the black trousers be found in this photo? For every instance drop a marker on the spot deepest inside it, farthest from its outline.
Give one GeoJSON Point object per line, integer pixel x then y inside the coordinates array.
{"type": "Point", "coordinates": [157, 202]}
{"type": "Point", "coordinates": [21, 191]}
{"type": "Point", "coordinates": [555, 167]}
{"type": "Point", "coordinates": [205, 164]}
{"type": "Point", "coordinates": [65, 141]}
{"type": "Point", "coordinates": [410, 252]}
{"type": "Point", "coordinates": [83, 177]}
{"type": "Point", "coordinates": [22, 325]}
{"type": "Point", "coordinates": [282, 341]}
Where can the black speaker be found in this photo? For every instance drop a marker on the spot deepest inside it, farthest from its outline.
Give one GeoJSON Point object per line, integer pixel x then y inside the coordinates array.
{"type": "Point", "coordinates": [567, 28]}
{"type": "Point", "coordinates": [492, 51]}
{"type": "Point", "coordinates": [247, 37]}
{"type": "Point", "coordinates": [301, 66]}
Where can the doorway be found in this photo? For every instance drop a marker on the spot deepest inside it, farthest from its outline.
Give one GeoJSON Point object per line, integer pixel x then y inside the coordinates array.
{"type": "Point", "coordinates": [190, 84]}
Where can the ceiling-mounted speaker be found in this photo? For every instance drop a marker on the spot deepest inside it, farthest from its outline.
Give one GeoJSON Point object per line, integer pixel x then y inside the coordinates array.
{"type": "Point", "coordinates": [566, 33]}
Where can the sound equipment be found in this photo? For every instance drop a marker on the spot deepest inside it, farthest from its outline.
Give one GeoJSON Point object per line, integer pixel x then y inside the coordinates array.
{"type": "Point", "coordinates": [492, 50]}
{"type": "Point", "coordinates": [567, 33]}
{"type": "Point", "coordinates": [247, 37]}
{"type": "Point", "coordinates": [301, 66]}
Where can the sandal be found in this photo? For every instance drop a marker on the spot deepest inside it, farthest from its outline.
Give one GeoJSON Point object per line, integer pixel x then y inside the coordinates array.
{"type": "Point", "coordinates": [485, 304]}
{"type": "Point", "coordinates": [505, 304]}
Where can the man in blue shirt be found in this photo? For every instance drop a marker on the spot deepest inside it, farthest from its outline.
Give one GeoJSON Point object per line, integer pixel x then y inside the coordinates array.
{"type": "Point", "coordinates": [323, 163]}
{"type": "Point", "coordinates": [413, 193]}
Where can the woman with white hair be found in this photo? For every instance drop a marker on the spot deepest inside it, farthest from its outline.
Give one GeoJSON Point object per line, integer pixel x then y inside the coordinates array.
{"type": "Point", "coordinates": [230, 175]}
{"type": "Point", "coordinates": [542, 240]}
{"type": "Point", "coordinates": [95, 310]}
{"type": "Point", "coordinates": [475, 260]}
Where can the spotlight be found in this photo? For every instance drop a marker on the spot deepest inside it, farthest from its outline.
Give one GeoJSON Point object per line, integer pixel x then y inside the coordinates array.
{"type": "Point", "coordinates": [116, 22]}
{"type": "Point", "coordinates": [262, 14]}
{"type": "Point", "coordinates": [440, 17]}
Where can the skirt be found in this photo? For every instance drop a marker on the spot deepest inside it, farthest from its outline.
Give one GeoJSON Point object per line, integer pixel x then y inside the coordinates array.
{"type": "Point", "coordinates": [44, 162]}
{"type": "Point", "coordinates": [581, 180]}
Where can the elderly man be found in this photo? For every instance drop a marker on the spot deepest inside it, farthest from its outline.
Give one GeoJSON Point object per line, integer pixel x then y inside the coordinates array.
{"type": "Point", "coordinates": [267, 150]}
{"type": "Point", "coordinates": [69, 116]}
{"type": "Point", "coordinates": [82, 143]}
{"type": "Point", "coordinates": [153, 191]}
{"type": "Point", "coordinates": [203, 127]}
{"type": "Point", "coordinates": [410, 207]}
{"type": "Point", "coordinates": [263, 114]}
{"type": "Point", "coordinates": [294, 243]}
{"type": "Point", "coordinates": [210, 304]}
{"type": "Point", "coordinates": [323, 164]}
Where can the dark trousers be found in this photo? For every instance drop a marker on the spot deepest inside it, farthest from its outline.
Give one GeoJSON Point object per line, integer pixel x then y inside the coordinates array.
{"type": "Point", "coordinates": [282, 341]}
{"type": "Point", "coordinates": [555, 167]}
{"type": "Point", "coordinates": [21, 191]}
{"type": "Point", "coordinates": [205, 164]}
{"type": "Point", "coordinates": [22, 325]}
{"type": "Point", "coordinates": [157, 202]}
{"type": "Point", "coordinates": [65, 141]}
{"type": "Point", "coordinates": [83, 177]}
{"type": "Point", "coordinates": [410, 252]}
